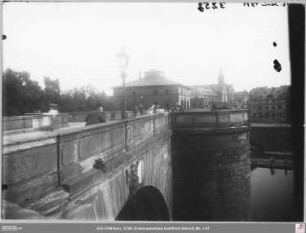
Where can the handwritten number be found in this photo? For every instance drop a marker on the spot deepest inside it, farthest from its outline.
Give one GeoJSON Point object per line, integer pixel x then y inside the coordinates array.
{"type": "Point", "coordinates": [210, 5]}
{"type": "Point", "coordinates": [200, 8]}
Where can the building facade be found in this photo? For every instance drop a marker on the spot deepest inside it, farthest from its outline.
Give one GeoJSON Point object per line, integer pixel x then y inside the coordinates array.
{"type": "Point", "coordinates": [155, 89]}
{"type": "Point", "coordinates": [207, 96]}
{"type": "Point", "coordinates": [269, 104]}
{"type": "Point", "coordinates": [241, 100]}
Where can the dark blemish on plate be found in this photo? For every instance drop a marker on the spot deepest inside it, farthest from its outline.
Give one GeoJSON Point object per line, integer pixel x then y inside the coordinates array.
{"type": "Point", "coordinates": [277, 65]}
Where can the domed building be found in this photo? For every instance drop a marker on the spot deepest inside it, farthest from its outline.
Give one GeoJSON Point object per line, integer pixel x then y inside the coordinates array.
{"type": "Point", "coordinates": [153, 88]}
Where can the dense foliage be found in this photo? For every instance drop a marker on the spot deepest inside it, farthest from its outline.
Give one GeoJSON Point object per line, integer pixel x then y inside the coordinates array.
{"type": "Point", "coordinates": [23, 95]}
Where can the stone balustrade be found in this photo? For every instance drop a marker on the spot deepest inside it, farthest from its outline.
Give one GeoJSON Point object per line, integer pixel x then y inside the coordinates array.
{"type": "Point", "coordinates": [34, 122]}
{"type": "Point", "coordinates": [43, 121]}
{"type": "Point", "coordinates": [66, 158]}
{"type": "Point", "coordinates": [209, 119]}
{"type": "Point", "coordinates": [110, 115]}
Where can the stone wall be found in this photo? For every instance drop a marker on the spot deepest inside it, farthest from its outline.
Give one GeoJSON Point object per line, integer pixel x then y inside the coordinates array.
{"type": "Point", "coordinates": [33, 122]}
{"type": "Point", "coordinates": [211, 168]}
{"type": "Point", "coordinates": [110, 116]}
{"type": "Point", "coordinates": [277, 138]}
{"type": "Point", "coordinates": [55, 175]}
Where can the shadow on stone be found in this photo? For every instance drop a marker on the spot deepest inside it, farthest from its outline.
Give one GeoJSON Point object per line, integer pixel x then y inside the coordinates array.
{"type": "Point", "coordinates": [148, 204]}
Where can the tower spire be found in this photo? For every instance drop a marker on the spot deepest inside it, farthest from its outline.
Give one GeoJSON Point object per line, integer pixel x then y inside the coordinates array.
{"type": "Point", "coordinates": [221, 78]}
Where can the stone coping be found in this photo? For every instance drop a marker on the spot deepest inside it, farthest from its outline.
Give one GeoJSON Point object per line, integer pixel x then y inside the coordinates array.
{"type": "Point", "coordinates": [78, 132]}
{"type": "Point", "coordinates": [209, 119]}
{"type": "Point", "coordinates": [203, 112]}
{"type": "Point", "coordinates": [212, 131]}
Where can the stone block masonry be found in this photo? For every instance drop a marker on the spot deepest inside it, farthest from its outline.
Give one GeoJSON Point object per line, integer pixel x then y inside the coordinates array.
{"type": "Point", "coordinates": [55, 175]}
{"type": "Point", "coordinates": [211, 170]}
{"type": "Point", "coordinates": [200, 165]}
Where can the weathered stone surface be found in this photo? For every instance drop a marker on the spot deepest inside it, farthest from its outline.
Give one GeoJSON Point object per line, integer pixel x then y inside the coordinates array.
{"type": "Point", "coordinates": [83, 182]}
{"type": "Point", "coordinates": [11, 210]}
{"type": "Point", "coordinates": [22, 165]}
{"type": "Point", "coordinates": [69, 172]}
{"type": "Point", "coordinates": [89, 193]}
{"type": "Point", "coordinates": [31, 189]}
{"type": "Point", "coordinates": [69, 152]}
{"type": "Point", "coordinates": [105, 198]}
{"type": "Point", "coordinates": [118, 191]}
{"type": "Point", "coordinates": [83, 212]}
{"type": "Point", "coordinates": [220, 164]}
{"type": "Point", "coordinates": [89, 146]}
{"type": "Point", "coordinates": [51, 204]}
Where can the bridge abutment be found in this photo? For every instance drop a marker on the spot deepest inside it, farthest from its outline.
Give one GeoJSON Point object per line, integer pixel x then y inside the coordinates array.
{"type": "Point", "coordinates": [91, 173]}
{"type": "Point", "coordinates": [211, 167]}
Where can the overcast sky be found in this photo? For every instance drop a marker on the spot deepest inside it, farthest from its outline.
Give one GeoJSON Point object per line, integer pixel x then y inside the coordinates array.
{"type": "Point", "coordinates": [77, 42]}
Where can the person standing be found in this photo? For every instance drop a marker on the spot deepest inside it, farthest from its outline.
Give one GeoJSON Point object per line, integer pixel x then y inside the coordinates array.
{"type": "Point", "coordinates": [95, 117]}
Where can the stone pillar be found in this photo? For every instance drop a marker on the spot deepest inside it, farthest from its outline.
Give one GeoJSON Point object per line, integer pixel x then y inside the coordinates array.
{"type": "Point", "coordinates": [211, 175]}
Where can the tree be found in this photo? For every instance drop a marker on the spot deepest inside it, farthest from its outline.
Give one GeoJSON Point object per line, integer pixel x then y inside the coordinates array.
{"type": "Point", "coordinates": [23, 95]}
{"type": "Point", "coordinates": [20, 93]}
{"type": "Point", "coordinates": [52, 90]}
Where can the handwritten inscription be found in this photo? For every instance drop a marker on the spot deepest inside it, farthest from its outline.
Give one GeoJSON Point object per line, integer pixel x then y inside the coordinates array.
{"type": "Point", "coordinates": [202, 6]}
{"type": "Point", "coordinates": [210, 5]}
{"type": "Point", "coordinates": [254, 4]}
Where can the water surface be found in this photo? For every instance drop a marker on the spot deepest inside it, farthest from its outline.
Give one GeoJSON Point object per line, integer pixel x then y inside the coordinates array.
{"type": "Point", "coordinates": [272, 195]}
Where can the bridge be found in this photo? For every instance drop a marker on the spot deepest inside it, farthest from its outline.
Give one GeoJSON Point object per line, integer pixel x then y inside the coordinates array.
{"type": "Point", "coordinates": [132, 169]}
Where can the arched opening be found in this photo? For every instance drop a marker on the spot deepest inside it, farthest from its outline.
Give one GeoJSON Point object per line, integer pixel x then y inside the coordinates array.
{"type": "Point", "coordinates": [148, 204]}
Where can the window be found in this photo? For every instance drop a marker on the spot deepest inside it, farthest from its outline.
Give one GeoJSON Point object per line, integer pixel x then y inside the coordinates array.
{"type": "Point", "coordinates": [167, 91]}
{"type": "Point", "coordinates": [133, 92]}
{"type": "Point", "coordinates": [155, 92]}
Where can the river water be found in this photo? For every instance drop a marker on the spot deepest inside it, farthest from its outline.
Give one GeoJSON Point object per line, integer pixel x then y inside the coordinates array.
{"type": "Point", "coordinates": [272, 195]}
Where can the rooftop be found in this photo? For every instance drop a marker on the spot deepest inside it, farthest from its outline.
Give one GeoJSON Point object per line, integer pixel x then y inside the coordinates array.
{"type": "Point", "coordinates": [152, 78]}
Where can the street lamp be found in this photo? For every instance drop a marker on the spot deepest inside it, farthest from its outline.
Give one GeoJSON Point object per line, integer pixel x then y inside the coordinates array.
{"type": "Point", "coordinates": [123, 61]}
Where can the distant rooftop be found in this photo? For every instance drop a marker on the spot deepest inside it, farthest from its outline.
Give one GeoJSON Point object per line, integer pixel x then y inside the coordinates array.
{"type": "Point", "coordinates": [152, 78]}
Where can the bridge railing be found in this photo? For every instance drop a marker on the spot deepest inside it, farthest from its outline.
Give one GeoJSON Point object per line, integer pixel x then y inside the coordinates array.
{"type": "Point", "coordinates": [209, 119]}
{"type": "Point", "coordinates": [38, 121]}
{"type": "Point", "coordinates": [31, 122]}
{"type": "Point", "coordinates": [34, 166]}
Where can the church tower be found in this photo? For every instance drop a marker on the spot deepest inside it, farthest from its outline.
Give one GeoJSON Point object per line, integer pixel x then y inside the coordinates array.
{"type": "Point", "coordinates": [221, 79]}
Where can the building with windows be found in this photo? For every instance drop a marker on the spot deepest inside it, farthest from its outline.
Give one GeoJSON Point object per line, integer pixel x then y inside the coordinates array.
{"type": "Point", "coordinates": [153, 88]}
{"type": "Point", "coordinates": [269, 104]}
{"type": "Point", "coordinates": [207, 96]}
{"type": "Point", "coordinates": [241, 100]}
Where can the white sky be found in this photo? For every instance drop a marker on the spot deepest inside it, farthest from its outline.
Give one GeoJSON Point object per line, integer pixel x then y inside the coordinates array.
{"type": "Point", "coordinates": [77, 42]}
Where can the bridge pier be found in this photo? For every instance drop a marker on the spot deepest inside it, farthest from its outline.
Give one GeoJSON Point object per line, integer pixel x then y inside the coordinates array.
{"type": "Point", "coordinates": [211, 168]}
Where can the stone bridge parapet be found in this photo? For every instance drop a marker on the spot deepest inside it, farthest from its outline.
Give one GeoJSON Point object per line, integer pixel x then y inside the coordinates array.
{"type": "Point", "coordinates": [209, 121]}
{"type": "Point", "coordinates": [58, 173]}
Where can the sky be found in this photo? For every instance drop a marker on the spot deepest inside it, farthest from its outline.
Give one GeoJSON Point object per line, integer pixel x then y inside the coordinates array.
{"type": "Point", "coordinates": [77, 42]}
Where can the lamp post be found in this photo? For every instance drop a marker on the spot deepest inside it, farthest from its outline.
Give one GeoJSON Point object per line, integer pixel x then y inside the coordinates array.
{"type": "Point", "coordinates": [123, 60]}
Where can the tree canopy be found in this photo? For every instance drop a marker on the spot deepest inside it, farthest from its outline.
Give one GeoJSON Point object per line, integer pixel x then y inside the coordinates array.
{"type": "Point", "coordinates": [22, 95]}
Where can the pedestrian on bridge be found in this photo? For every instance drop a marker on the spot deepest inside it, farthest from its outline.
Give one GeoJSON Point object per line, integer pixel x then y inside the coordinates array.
{"type": "Point", "coordinates": [95, 117]}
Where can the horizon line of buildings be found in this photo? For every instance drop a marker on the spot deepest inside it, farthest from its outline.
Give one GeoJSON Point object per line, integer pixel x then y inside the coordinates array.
{"type": "Point", "coordinates": [155, 89]}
